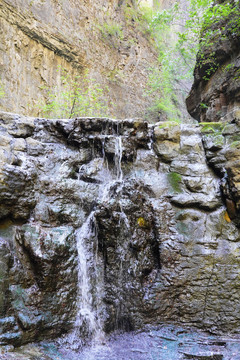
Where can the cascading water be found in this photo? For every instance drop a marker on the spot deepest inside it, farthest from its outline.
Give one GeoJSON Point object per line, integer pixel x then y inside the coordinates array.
{"type": "Point", "coordinates": [89, 319]}
{"type": "Point", "coordinates": [118, 158]}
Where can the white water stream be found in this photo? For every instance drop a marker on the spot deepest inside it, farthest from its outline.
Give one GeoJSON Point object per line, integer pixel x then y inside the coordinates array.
{"type": "Point", "coordinates": [89, 321]}
{"type": "Point", "coordinates": [118, 158]}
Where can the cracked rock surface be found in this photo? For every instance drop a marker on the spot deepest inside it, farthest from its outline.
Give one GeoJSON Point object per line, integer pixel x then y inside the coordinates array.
{"type": "Point", "coordinates": [163, 245]}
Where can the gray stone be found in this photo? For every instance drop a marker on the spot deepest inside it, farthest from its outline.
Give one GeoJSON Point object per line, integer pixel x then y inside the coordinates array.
{"type": "Point", "coordinates": [160, 244]}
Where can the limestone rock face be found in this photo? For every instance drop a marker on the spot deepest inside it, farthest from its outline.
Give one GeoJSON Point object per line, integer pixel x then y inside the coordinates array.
{"type": "Point", "coordinates": [100, 38]}
{"type": "Point", "coordinates": [136, 205]}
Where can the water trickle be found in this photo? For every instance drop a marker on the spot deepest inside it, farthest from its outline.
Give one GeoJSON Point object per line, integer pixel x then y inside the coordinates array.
{"type": "Point", "coordinates": [124, 218]}
{"type": "Point", "coordinates": [90, 309]}
{"type": "Point", "coordinates": [88, 323]}
{"type": "Point", "coordinates": [118, 158]}
{"type": "Point", "coordinates": [151, 136]}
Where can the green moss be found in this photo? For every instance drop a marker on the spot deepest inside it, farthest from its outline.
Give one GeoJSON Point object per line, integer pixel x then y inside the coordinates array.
{"type": "Point", "coordinates": [214, 128]}
{"type": "Point", "coordinates": [169, 124]}
{"type": "Point", "coordinates": [234, 137]}
{"type": "Point", "coordinates": [217, 139]}
{"type": "Point", "coordinates": [235, 144]}
{"type": "Point", "coordinates": [203, 106]}
{"type": "Point", "coordinates": [174, 180]}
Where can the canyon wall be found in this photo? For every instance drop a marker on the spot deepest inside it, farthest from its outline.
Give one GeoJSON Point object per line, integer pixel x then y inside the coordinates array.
{"type": "Point", "coordinates": [214, 100]}
{"type": "Point", "coordinates": [113, 224]}
{"type": "Point", "coordinates": [98, 40]}
{"type": "Point", "coordinates": [215, 94]}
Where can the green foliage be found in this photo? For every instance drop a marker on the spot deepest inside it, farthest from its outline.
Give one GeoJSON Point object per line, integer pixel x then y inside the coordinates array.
{"type": "Point", "coordinates": [235, 144]}
{"type": "Point", "coordinates": [194, 37]}
{"type": "Point", "coordinates": [219, 22]}
{"type": "Point", "coordinates": [111, 31]}
{"type": "Point", "coordinates": [160, 88]}
{"type": "Point", "coordinates": [131, 14]}
{"type": "Point", "coordinates": [77, 97]}
{"type": "Point", "coordinates": [176, 55]}
{"type": "Point", "coordinates": [203, 106]}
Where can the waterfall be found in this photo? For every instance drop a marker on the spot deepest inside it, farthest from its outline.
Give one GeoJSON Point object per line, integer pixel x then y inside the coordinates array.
{"type": "Point", "coordinates": [118, 158]}
{"type": "Point", "coordinates": [89, 322]}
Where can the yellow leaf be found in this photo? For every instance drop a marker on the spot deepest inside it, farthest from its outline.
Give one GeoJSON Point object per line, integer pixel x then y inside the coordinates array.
{"type": "Point", "coordinates": [226, 217]}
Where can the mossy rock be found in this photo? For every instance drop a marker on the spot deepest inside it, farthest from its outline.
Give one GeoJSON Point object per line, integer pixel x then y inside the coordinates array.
{"type": "Point", "coordinates": [235, 144]}
{"type": "Point", "coordinates": [213, 128]}
{"type": "Point", "coordinates": [174, 180]}
{"type": "Point", "coordinates": [169, 124]}
{"type": "Point", "coordinates": [216, 140]}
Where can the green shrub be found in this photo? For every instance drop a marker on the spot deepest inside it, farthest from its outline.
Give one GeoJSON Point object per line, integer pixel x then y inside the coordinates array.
{"type": "Point", "coordinates": [78, 97]}
{"type": "Point", "coordinates": [111, 31]}
{"type": "Point", "coordinates": [205, 24]}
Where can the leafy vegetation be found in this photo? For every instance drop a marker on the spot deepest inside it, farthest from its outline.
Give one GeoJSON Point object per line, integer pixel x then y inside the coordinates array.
{"type": "Point", "coordinates": [180, 36]}
{"type": "Point", "coordinates": [179, 40]}
{"type": "Point", "coordinates": [76, 97]}
{"type": "Point", "coordinates": [235, 144]}
{"type": "Point", "coordinates": [111, 31]}
{"type": "Point", "coordinates": [168, 124]}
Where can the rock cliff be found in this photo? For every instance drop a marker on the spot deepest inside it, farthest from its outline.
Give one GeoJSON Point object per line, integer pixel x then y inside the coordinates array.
{"type": "Point", "coordinates": [110, 225]}
{"type": "Point", "coordinates": [215, 94]}
{"type": "Point", "coordinates": [114, 224]}
{"type": "Point", "coordinates": [102, 39]}
{"type": "Point", "coordinates": [214, 101]}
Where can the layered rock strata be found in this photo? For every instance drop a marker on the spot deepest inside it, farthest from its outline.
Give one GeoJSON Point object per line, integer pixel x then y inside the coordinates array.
{"type": "Point", "coordinates": [100, 41]}
{"type": "Point", "coordinates": [159, 242]}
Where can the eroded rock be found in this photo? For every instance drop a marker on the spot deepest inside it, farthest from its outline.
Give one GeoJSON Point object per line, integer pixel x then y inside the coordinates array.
{"type": "Point", "coordinates": [160, 245]}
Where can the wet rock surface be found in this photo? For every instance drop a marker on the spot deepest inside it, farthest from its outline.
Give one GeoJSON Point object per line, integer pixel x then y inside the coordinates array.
{"type": "Point", "coordinates": [221, 142]}
{"type": "Point", "coordinates": [164, 342]}
{"type": "Point", "coordinates": [134, 206]}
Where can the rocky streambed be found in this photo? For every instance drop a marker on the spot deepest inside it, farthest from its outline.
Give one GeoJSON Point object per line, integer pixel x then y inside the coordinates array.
{"type": "Point", "coordinates": [164, 342]}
